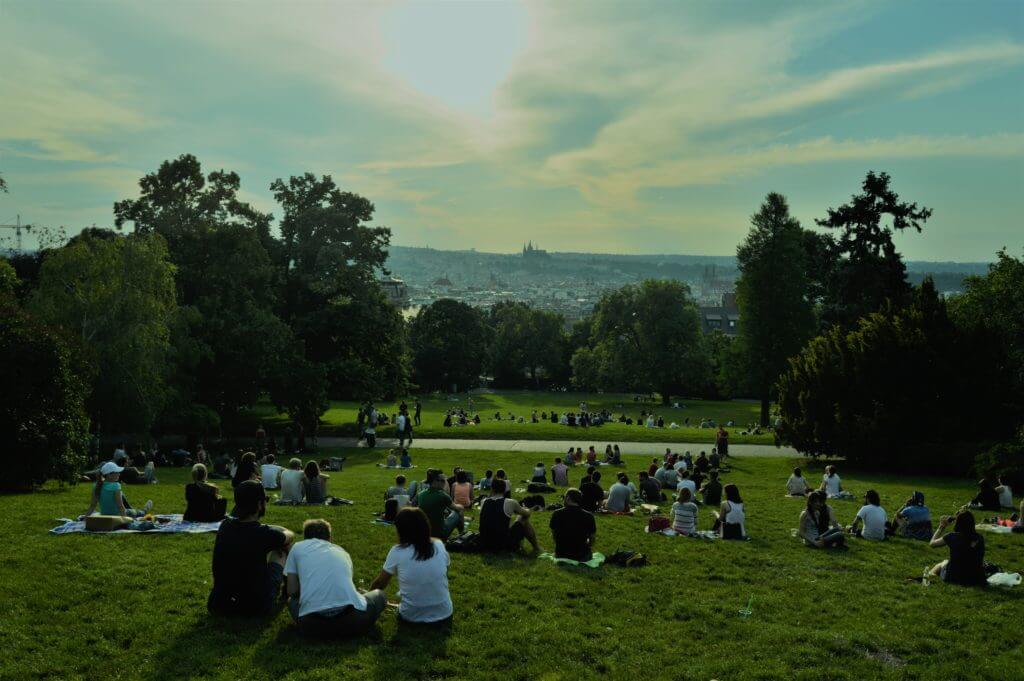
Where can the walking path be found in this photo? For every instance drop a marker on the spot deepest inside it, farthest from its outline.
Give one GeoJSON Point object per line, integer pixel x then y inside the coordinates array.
{"type": "Point", "coordinates": [559, 446]}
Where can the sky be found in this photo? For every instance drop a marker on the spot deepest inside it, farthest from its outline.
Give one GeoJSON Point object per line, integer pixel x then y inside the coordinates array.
{"type": "Point", "coordinates": [630, 127]}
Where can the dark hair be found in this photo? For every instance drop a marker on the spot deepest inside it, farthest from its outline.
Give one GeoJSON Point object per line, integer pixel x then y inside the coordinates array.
{"type": "Point", "coordinates": [399, 479]}
{"type": "Point", "coordinates": [623, 478]}
{"type": "Point", "coordinates": [595, 477]}
{"type": "Point", "coordinates": [574, 495]}
{"type": "Point", "coordinates": [461, 477]}
{"type": "Point", "coordinates": [797, 473]}
{"type": "Point", "coordinates": [270, 458]}
{"type": "Point", "coordinates": [498, 486]}
{"type": "Point", "coordinates": [965, 524]}
{"type": "Point", "coordinates": [249, 494]}
{"type": "Point", "coordinates": [821, 516]}
{"type": "Point", "coordinates": [312, 470]}
{"type": "Point", "coordinates": [540, 464]}
{"type": "Point", "coordinates": [732, 494]}
{"type": "Point", "coordinates": [488, 473]}
{"type": "Point", "coordinates": [714, 474]}
{"type": "Point", "coordinates": [414, 530]}
{"type": "Point", "coordinates": [501, 474]}
{"type": "Point", "coordinates": [872, 497]}
{"type": "Point", "coordinates": [643, 475]}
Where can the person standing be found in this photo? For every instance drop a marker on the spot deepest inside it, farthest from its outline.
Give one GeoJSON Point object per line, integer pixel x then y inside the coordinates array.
{"type": "Point", "coordinates": [722, 442]}
{"type": "Point", "coordinates": [419, 409]}
{"type": "Point", "coordinates": [400, 425]}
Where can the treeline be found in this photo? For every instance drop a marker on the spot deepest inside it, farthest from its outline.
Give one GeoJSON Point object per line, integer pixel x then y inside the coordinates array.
{"type": "Point", "coordinates": [192, 309]}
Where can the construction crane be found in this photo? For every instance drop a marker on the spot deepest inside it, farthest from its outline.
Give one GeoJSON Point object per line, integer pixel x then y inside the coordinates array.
{"type": "Point", "coordinates": [17, 227]}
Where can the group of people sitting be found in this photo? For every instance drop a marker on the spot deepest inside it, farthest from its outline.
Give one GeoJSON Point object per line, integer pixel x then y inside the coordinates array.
{"type": "Point", "coordinates": [460, 417]}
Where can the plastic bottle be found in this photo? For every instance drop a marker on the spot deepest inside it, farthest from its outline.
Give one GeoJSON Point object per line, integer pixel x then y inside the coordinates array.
{"type": "Point", "coordinates": [925, 576]}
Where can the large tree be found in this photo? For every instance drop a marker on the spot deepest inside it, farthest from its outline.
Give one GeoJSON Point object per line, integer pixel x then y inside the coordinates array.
{"type": "Point", "coordinates": [648, 337]}
{"type": "Point", "coordinates": [868, 270]}
{"type": "Point", "coordinates": [449, 342]}
{"type": "Point", "coordinates": [328, 262]}
{"type": "Point", "coordinates": [772, 293]}
{"type": "Point", "coordinates": [527, 346]}
{"type": "Point", "coordinates": [115, 296]}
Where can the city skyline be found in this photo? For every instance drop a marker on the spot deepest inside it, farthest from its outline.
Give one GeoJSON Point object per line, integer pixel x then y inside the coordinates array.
{"type": "Point", "coordinates": [623, 128]}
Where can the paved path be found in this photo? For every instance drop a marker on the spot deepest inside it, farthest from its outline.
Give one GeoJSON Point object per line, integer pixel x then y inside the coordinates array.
{"type": "Point", "coordinates": [559, 446]}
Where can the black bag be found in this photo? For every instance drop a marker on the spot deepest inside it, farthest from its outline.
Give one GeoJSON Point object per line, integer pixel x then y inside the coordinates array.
{"type": "Point", "coordinates": [533, 501]}
{"type": "Point", "coordinates": [539, 488]}
{"type": "Point", "coordinates": [627, 559]}
{"type": "Point", "coordinates": [465, 543]}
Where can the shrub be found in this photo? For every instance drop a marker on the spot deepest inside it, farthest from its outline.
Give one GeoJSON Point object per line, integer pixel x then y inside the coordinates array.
{"type": "Point", "coordinates": [42, 411]}
{"type": "Point", "coordinates": [1005, 460]}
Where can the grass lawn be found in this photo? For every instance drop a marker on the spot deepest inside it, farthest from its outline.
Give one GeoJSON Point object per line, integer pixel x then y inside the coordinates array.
{"type": "Point", "coordinates": [340, 419]}
{"type": "Point", "coordinates": [133, 606]}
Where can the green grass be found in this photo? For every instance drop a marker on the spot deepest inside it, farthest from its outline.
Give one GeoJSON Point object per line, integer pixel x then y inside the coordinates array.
{"type": "Point", "coordinates": [133, 606]}
{"type": "Point", "coordinates": [340, 419]}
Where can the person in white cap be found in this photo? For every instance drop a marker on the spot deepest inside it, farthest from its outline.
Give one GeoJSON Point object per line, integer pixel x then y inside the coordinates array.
{"type": "Point", "coordinates": [107, 494]}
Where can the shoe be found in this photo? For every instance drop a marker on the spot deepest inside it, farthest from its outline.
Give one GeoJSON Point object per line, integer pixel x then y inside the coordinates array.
{"type": "Point", "coordinates": [148, 506]}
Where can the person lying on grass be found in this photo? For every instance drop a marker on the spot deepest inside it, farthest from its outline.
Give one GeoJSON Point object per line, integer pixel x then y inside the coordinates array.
{"type": "Point", "coordinates": [797, 485]}
{"type": "Point", "coordinates": [314, 483]}
{"type": "Point", "coordinates": [421, 563]}
{"type": "Point", "coordinates": [870, 522]}
{"type": "Point", "coordinates": [619, 495]}
{"type": "Point", "coordinates": [730, 521]}
{"type": "Point", "coordinates": [684, 513]}
{"type": "Point", "coordinates": [573, 528]}
{"type": "Point", "coordinates": [444, 514]}
{"type": "Point", "coordinates": [323, 600]}
{"type": "Point", "coordinates": [504, 523]}
{"type": "Point", "coordinates": [248, 557]}
{"type": "Point", "coordinates": [913, 520]}
{"type": "Point", "coordinates": [818, 525]}
{"type": "Point", "coordinates": [712, 490]}
{"type": "Point", "coordinates": [966, 562]}
{"type": "Point", "coordinates": [106, 494]}
{"type": "Point", "coordinates": [203, 502]}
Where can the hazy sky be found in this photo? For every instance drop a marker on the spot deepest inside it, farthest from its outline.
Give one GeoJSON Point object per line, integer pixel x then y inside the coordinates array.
{"type": "Point", "coordinates": [633, 127]}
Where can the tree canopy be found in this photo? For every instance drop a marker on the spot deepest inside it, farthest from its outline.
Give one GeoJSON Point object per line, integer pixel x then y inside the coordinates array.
{"type": "Point", "coordinates": [449, 342]}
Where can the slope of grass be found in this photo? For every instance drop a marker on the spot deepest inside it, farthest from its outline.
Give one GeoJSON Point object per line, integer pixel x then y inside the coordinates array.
{"type": "Point", "coordinates": [340, 419]}
{"type": "Point", "coordinates": [133, 606]}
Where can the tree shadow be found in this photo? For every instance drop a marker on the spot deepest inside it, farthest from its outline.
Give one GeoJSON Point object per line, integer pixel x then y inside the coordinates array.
{"type": "Point", "coordinates": [202, 649]}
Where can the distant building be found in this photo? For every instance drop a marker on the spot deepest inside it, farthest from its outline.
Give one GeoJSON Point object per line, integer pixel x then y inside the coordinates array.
{"type": "Point", "coordinates": [724, 317]}
{"type": "Point", "coordinates": [396, 291]}
{"type": "Point", "coordinates": [443, 281]}
{"type": "Point", "coordinates": [529, 251]}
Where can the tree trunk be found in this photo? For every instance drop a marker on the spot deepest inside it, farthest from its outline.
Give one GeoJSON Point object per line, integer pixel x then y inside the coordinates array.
{"type": "Point", "coordinates": [764, 408]}
{"type": "Point", "coordinates": [666, 396]}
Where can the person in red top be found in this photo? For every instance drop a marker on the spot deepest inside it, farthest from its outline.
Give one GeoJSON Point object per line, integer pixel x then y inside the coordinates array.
{"type": "Point", "coordinates": [722, 442]}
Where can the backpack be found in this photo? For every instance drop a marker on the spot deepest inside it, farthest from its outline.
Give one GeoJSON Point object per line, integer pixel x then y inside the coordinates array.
{"type": "Point", "coordinates": [627, 559]}
{"type": "Point", "coordinates": [464, 543]}
{"type": "Point", "coordinates": [533, 501]}
{"type": "Point", "coordinates": [657, 523]}
{"type": "Point", "coordinates": [539, 488]}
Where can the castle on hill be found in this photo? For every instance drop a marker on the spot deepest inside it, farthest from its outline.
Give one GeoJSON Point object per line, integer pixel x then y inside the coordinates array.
{"type": "Point", "coordinates": [530, 251]}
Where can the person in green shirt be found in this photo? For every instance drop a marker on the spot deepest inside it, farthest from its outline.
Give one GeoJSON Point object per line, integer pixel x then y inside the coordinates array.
{"type": "Point", "coordinates": [435, 502]}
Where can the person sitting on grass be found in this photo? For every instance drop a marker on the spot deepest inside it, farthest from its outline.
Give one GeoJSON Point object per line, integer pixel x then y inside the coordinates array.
{"type": "Point", "coordinates": [987, 498]}
{"type": "Point", "coordinates": [871, 520]}
{"type": "Point", "coordinates": [966, 563]}
{"type": "Point", "coordinates": [684, 513]}
{"type": "Point", "coordinates": [246, 470]}
{"type": "Point", "coordinates": [712, 490]}
{"type": "Point", "coordinates": [462, 489]}
{"type": "Point", "coordinates": [818, 525]}
{"type": "Point", "coordinates": [685, 482]}
{"type": "Point", "coordinates": [797, 485]}
{"type": "Point", "coordinates": [106, 494]}
{"type": "Point", "coordinates": [653, 469]}
{"type": "Point", "coordinates": [392, 460]}
{"type": "Point", "coordinates": [650, 489]}
{"type": "Point", "coordinates": [405, 460]}
{"type": "Point", "coordinates": [248, 557]}
{"type": "Point", "coordinates": [573, 528]}
{"type": "Point", "coordinates": [832, 483]}
{"type": "Point", "coordinates": [203, 502]}
{"type": "Point", "coordinates": [540, 474]}
{"type": "Point", "coordinates": [270, 473]}
{"type": "Point", "coordinates": [730, 521]}
{"type": "Point", "coordinates": [485, 484]}
{"type": "Point", "coordinates": [559, 474]}
{"type": "Point", "coordinates": [667, 476]}
{"type": "Point", "coordinates": [292, 478]}
{"type": "Point", "coordinates": [398, 491]}
{"type": "Point", "coordinates": [619, 495]}
{"type": "Point", "coordinates": [593, 493]}
{"type": "Point", "coordinates": [444, 514]}
{"type": "Point", "coordinates": [702, 464]}
{"type": "Point", "coordinates": [504, 523]}
{"type": "Point", "coordinates": [1005, 493]}
{"type": "Point", "coordinates": [315, 484]}
{"type": "Point", "coordinates": [323, 600]}
{"type": "Point", "coordinates": [500, 474]}
{"type": "Point", "coordinates": [591, 456]}
{"type": "Point", "coordinates": [421, 563]}
{"type": "Point", "coordinates": [913, 520]}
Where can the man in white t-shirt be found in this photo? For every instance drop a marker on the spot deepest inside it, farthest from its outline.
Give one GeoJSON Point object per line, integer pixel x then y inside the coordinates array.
{"type": "Point", "coordinates": [322, 597]}
{"type": "Point", "coordinates": [685, 482]}
{"type": "Point", "coordinates": [291, 483]}
{"type": "Point", "coordinates": [270, 473]}
{"type": "Point", "coordinates": [870, 520]}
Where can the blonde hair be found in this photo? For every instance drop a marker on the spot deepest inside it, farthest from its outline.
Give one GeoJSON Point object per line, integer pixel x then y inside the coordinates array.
{"type": "Point", "coordinates": [316, 528]}
{"type": "Point", "coordinates": [198, 473]}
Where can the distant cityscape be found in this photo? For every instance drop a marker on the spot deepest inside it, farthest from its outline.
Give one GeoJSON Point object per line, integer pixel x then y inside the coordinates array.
{"type": "Point", "coordinates": [570, 284]}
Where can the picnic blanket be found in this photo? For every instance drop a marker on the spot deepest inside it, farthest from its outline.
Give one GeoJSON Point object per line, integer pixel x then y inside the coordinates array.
{"type": "Point", "coordinates": [403, 468]}
{"type": "Point", "coordinates": [337, 502]}
{"type": "Point", "coordinates": [995, 529]}
{"type": "Point", "coordinates": [381, 521]}
{"type": "Point", "coordinates": [174, 525]}
{"type": "Point", "coordinates": [596, 560]}
{"type": "Point", "coordinates": [700, 534]}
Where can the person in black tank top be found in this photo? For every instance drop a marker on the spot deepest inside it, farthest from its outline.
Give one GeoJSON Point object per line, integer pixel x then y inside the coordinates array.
{"type": "Point", "coordinates": [498, 532]}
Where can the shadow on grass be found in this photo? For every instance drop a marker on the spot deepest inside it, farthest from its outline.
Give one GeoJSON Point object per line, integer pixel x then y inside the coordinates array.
{"type": "Point", "coordinates": [207, 646]}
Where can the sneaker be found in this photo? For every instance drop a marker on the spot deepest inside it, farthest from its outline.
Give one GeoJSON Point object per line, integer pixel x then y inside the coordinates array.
{"type": "Point", "coordinates": [148, 506]}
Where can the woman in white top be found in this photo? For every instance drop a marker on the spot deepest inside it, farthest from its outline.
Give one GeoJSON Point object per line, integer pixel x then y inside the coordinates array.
{"type": "Point", "coordinates": [797, 485]}
{"type": "Point", "coordinates": [421, 564]}
{"type": "Point", "coordinates": [731, 519]}
{"type": "Point", "coordinates": [1005, 494]}
{"type": "Point", "coordinates": [831, 483]}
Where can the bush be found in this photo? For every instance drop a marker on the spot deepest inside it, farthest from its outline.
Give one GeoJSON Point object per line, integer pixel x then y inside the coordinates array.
{"type": "Point", "coordinates": [1005, 460]}
{"type": "Point", "coordinates": [42, 412]}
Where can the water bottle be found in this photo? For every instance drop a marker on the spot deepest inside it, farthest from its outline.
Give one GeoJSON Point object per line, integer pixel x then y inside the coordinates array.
{"type": "Point", "coordinates": [925, 576]}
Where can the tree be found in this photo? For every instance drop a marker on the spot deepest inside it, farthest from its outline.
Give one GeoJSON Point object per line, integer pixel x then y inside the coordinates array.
{"type": "Point", "coordinates": [900, 391]}
{"type": "Point", "coordinates": [772, 293]}
{"type": "Point", "coordinates": [42, 414]}
{"type": "Point", "coordinates": [449, 342]}
{"type": "Point", "coordinates": [528, 344]}
{"type": "Point", "coordinates": [868, 270]}
{"type": "Point", "coordinates": [8, 279]}
{"type": "Point", "coordinates": [648, 337]}
{"type": "Point", "coordinates": [3, 184]}
{"type": "Point", "coordinates": [328, 262]}
{"type": "Point", "coordinates": [115, 297]}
